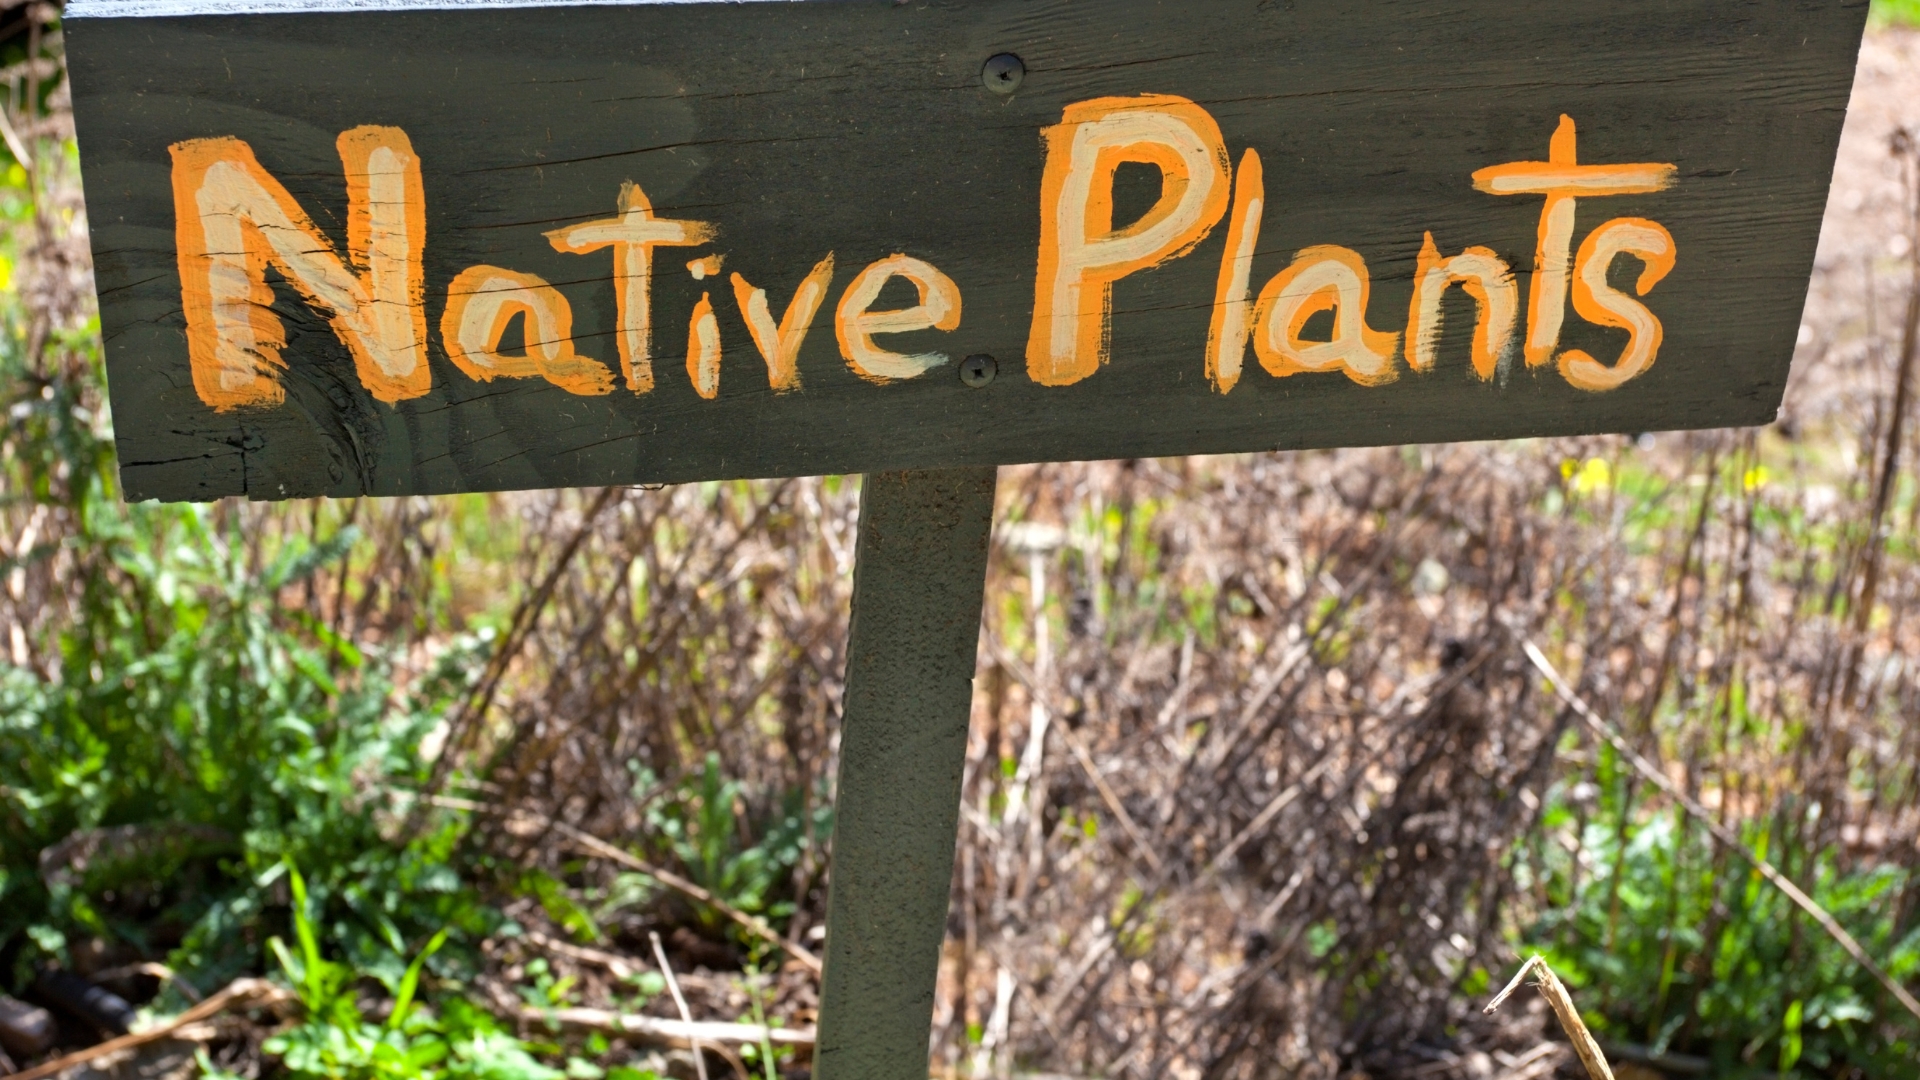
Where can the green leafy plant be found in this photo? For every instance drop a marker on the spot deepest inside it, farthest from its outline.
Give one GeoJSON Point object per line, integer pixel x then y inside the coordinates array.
{"type": "Point", "coordinates": [1678, 944]}
{"type": "Point", "coordinates": [747, 863]}
{"type": "Point", "coordinates": [336, 1041]}
{"type": "Point", "coordinates": [200, 738]}
{"type": "Point", "coordinates": [763, 1051]}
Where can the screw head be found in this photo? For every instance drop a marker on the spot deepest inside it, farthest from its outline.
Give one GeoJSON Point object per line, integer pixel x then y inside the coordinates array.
{"type": "Point", "coordinates": [1003, 73]}
{"type": "Point", "coordinates": [978, 370]}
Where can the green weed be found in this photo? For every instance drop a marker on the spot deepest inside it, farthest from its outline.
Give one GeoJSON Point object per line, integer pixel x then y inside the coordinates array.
{"type": "Point", "coordinates": [336, 1042]}
{"type": "Point", "coordinates": [746, 860]}
{"type": "Point", "coordinates": [1678, 944]}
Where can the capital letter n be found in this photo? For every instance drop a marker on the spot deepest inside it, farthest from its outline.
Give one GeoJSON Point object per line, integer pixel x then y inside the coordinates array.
{"type": "Point", "coordinates": [233, 219]}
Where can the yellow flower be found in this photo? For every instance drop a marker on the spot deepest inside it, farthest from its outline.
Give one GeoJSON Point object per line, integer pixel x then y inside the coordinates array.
{"type": "Point", "coordinates": [1592, 478]}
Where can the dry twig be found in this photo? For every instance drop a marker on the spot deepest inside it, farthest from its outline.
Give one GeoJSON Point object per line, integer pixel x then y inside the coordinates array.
{"type": "Point", "coordinates": [237, 992]}
{"type": "Point", "coordinates": [1562, 1003]}
{"type": "Point", "coordinates": [620, 967]}
{"type": "Point", "coordinates": [158, 971]}
{"type": "Point", "coordinates": [671, 1032]}
{"type": "Point", "coordinates": [1265, 817]}
{"type": "Point", "coordinates": [679, 1002]}
{"type": "Point", "coordinates": [1534, 1064]}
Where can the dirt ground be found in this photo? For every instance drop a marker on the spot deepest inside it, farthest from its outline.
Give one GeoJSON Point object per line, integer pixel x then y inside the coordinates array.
{"type": "Point", "coordinates": [1866, 205]}
{"type": "Point", "coordinates": [1864, 241]}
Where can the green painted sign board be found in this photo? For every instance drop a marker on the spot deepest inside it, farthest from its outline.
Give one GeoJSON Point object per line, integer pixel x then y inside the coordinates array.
{"type": "Point", "coordinates": [352, 248]}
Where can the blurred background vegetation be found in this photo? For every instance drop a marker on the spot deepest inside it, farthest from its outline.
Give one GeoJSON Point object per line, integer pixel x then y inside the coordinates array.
{"type": "Point", "coordinates": [1895, 13]}
{"type": "Point", "coordinates": [1259, 784]}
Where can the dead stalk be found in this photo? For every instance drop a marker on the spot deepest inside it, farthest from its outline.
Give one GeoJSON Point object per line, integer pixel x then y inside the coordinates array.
{"type": "Point", "coordinates": [679, 1002]}
{"type": "Point", "coordinates": [1563, 1008]}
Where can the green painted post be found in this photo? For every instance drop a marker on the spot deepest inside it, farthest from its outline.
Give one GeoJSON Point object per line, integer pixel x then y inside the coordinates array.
{"type": "Point", "coordinates": [918, 579]}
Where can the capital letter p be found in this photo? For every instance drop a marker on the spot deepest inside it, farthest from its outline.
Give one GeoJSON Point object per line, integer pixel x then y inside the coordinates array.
{"type": "Point", "coordinates": [1081, 252]}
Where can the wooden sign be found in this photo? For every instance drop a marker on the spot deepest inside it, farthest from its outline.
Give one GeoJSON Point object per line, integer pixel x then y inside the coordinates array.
{"type": "Point", "coordinates": [460, 246]}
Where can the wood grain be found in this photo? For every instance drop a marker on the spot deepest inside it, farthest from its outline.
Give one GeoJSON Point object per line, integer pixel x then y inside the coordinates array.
{"type": "Point", "coordinates": [862, 128]}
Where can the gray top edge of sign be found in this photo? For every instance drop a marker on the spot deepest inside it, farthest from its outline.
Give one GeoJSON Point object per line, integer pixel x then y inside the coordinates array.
{"type": "Point", "coordinates": [134, 9]}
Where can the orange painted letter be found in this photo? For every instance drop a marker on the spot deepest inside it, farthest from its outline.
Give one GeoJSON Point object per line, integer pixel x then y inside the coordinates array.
{"type": "Point", "coordinates": [232, 220]}
{"type": "Point", "coordinates": [1564, 181]}
{"type": "Point", "coordinates": [1232, 297]}
{"type": "Point", "coordinates": [779, 345]}
{"type": "Point", "coordinates": [1486, 278]}
{"type": "Point", "coordinates": [1322, 278]}
{"type": "Point", "coordinates": [1082, 252]}
{"type": "Point", "coordinates": [703, 349]}
{"type": "Point", "coordinates": [484, 300]}
{"type": "Point", "coordinates": [1602, 304]}
{"type": "Point", "coordinates": [632, 236]}
{"type": "Point", "coordinates": [854, 323]}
